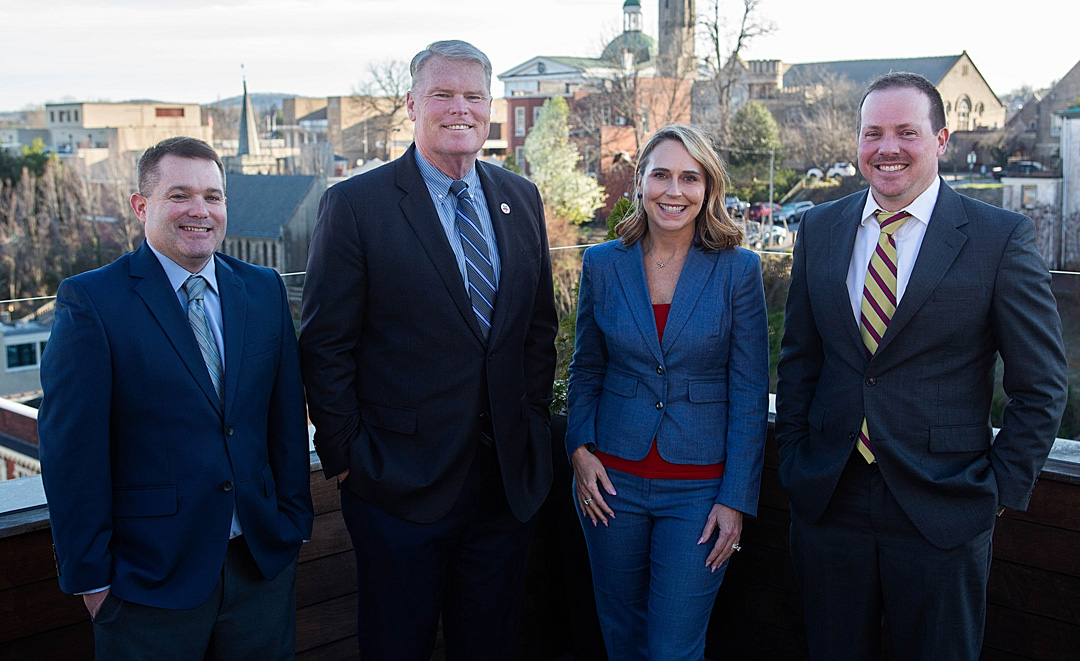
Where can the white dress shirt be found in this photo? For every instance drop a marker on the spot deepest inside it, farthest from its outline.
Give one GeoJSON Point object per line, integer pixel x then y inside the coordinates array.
{"type": "Point", "coordinates": [909, 238]}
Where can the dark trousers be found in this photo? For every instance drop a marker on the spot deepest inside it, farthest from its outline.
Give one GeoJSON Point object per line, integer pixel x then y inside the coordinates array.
{"type": "Point", "coordinates": [245, 617]}
{"type": "Point", "coordinates": [469, 566]}
{"type": "Point", "coordinates": [864, 567]}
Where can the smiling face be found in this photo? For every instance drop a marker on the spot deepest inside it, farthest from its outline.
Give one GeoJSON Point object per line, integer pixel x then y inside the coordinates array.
{"type": "Point", "coordinates": [184, 212]}
{"type": "Point", "coordinates": [672, 189]}
{"type": "Point", "coordinates": [450, 104]}
{"type": "Point", "coordinates": [898, 147]}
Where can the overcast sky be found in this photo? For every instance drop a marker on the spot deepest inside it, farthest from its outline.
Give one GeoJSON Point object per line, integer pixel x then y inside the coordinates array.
{"type": "Point", "coordinates": [191, 51]}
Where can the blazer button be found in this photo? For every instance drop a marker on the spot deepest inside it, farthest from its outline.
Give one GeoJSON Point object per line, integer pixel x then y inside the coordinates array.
{"type": "Point", "coordinates": [491, 356]}
{"type": "Point", "coordinates": [659, 406]}
{"type": "Point", "coordinates": [851, 436]}
{"type": "Point", "coordinates": [660, 369]}
{"type": "Point", "coordinates": [871, 382]}
{"type": "Point", "coordinates": [229, 430]}
{"type": "Point", "coordinates": [226, 485]}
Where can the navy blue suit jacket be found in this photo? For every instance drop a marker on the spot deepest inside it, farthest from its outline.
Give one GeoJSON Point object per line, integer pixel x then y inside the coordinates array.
{"type": "Point", "coordinates": [702, 393]}
{"type": "Point", "coordinates": [141, 465]}
{"type": "Point", "coordinates": [979, 288]}
{"type": "Point", "coordinates": [396, 369]}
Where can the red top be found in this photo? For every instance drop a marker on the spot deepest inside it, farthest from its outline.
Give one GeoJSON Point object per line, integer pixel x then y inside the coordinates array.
{"type": "Point", "coordinates": [653, 466]}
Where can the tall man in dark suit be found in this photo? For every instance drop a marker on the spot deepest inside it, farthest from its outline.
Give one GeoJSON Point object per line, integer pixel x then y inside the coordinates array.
{"type": "Point", "coordinates": [428, 355]}
{"type": "Point", "coordinates": [174, 445]}
{"type": "Point", "coordinates": [894, 325]}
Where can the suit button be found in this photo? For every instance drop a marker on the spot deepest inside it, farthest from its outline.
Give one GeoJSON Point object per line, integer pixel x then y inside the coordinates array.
{"type": "Point", "coordinates": [871, 382]}
{"type": "Point", "coordinates": [226, 485]}
{"type": "Point", "coordinates": [659, 406]}
{"type": "Point", "coordinates": [851, 436]}
{"type": "Point", "coordinates": [660, 369]}
{"type": "Point", "coordinates": [491, 356]}
{"type": "Point", "coordinates": [229, 430]}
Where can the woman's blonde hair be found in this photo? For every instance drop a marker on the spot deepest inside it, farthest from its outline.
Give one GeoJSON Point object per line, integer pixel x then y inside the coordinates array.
{"type": "Point", "coordinates": [714, 229]}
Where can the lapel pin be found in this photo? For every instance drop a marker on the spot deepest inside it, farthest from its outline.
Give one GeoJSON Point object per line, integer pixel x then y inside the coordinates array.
{"type": "Point", "coordinates": [505, 208]}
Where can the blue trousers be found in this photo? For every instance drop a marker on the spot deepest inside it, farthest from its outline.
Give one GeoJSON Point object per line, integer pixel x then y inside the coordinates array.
{"type": "Point", "coordinates": [654, 593]}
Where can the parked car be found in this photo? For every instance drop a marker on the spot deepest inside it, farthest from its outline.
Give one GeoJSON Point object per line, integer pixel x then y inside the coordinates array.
{"type": "Point", "coordinates": [759, 235]}
{"type": "Point", "coordinates": [761, 210]}
{"type": "Point", "coordinates": [735, 207]}
{"type": "Point", "coordinates": [1018, 168]}
{"type": "Point", "coordinates": [835, 171]}
{"type": "Point", "coordinates": [791, 209]}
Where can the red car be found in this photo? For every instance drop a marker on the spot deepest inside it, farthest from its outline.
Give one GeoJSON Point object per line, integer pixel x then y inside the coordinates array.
{"type": "Point", "coordinates": [761, 210]}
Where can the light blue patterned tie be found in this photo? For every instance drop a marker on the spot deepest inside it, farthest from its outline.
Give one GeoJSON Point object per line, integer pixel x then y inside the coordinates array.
{"type": "Point", "coordinates": [477, 258]}
{"type": "Point", "coordinates": [196, 314]}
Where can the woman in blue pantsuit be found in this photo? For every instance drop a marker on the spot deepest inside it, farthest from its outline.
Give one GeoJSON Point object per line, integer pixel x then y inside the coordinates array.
{"type": "Point", "coordinates": [668, 402]}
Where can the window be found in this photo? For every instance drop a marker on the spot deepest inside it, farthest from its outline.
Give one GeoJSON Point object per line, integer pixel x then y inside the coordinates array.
{"type": "Point", "coordinates": [21, 355]}
{"type": "Point", "coordinates": [168, 112]}
{"type": "Point", "coordinates": [963, 115]}
{"type": "Point", "coordinates": [52, 116]}
{"type": "Point", "coordinates": [590, 162]}
{"type": "Point", "coordinates": [536, 115]}
{"type": "Point", "coordinates": [519, 121]}
{"type": "Point", "coordinates": [1056, 123]}
{"type": "Point", "coordinates": [76, 115]}
{"type": "Point", "coordinates": [519, 156]}
{"type": "Point", "coordinates": [605, 116]}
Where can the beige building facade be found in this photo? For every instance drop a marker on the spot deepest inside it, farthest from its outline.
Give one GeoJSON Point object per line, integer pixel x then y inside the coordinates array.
{"type": "Point", "coordinates": [121, 127]}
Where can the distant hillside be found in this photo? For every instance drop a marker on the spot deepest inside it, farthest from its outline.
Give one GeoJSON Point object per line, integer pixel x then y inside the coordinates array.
{"type": "Point", "coordinates": [262, 101]}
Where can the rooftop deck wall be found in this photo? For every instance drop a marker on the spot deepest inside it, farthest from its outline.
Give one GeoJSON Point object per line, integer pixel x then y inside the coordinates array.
{"type": "Point", "coordinates": [1032, 614]}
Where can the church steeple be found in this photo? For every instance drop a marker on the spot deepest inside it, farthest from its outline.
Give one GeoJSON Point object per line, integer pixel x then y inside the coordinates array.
{"type": "Point", "coordinates": [249, 135]}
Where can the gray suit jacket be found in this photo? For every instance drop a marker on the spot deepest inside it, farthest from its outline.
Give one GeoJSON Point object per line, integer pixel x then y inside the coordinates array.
{"type": "Point", "coordinates": [978, 289]}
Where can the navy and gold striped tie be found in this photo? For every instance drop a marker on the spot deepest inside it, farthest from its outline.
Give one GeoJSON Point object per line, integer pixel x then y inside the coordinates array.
{"type": "Point", "coordinates": [196, 314]}
{"type": "Point", "coordinates": [478, 266]}
{"type": "Point", "coordinates": [879, 300]}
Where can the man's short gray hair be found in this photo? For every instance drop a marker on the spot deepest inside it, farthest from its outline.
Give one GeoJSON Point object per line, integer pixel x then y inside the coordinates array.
{"type": "Point", "coordinates": [452, 49]}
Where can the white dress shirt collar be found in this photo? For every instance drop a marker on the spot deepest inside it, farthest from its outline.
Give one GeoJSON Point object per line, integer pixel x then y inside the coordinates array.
{"type": "Point", "coordinates": [921, 208]}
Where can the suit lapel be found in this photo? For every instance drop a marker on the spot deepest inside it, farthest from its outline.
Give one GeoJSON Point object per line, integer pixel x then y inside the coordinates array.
{"type": "Point", "coordinates": [157, 293]}
{"type": "Point", "coordinates": [841, 245]}
{"type": "Point", "coordinates": [630, 269]}
{"type": "Point", "coordinates": [940, 246]}
{"type": "Point", "coordinates": [695, 273]}
{"type": "Point", "coordinates": [422, 216]}
{"type": "Point", "coordinates": [233, 296]}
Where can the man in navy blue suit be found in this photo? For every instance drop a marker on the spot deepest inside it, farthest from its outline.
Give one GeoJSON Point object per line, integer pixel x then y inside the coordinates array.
{"type": "Point", "coordinates": [174, 445]}
{"type": "Point", "coordinates": [429, 396]}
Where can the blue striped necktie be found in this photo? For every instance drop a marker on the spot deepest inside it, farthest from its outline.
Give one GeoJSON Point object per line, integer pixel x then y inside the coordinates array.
{"type": "Point", "coordinates": [196, 314]}
{"type": "Point", "coordinates": [478, 266]}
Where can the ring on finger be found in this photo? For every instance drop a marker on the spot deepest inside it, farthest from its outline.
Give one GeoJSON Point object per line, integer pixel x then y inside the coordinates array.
{"type": "Point", "coordinates": [587, 501]}
{"type": "Point", "coordinates": [736, 547]}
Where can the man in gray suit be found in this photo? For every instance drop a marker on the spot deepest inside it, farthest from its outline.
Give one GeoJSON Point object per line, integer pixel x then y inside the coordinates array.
{"type": "Point", "coordinates": [901, 300]}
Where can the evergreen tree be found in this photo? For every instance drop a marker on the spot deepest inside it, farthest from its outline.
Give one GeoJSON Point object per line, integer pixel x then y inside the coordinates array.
{"type": "Point", "coordinates": [754, 134]}
{"type": "Point", "coordinates": [567, 191]}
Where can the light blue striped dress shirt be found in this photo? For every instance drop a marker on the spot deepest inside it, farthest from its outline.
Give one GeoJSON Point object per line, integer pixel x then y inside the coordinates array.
{"type": "Point", "coordinates": [438, 184]}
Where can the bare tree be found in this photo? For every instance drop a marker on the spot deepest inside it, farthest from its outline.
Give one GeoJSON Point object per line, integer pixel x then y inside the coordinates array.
{"type": "Point", "coordinates": [821, 131]}
{"type": "Point", "coordinates": [724, 58]}
{"type": "Point", "coordinates": [387, 85]}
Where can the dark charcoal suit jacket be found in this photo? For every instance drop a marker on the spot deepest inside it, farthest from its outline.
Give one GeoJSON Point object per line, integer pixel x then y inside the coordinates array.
{"type": "Point", "coordinates": [978, 288]}
{"type": "Point", "coordinates": [396, 370]}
